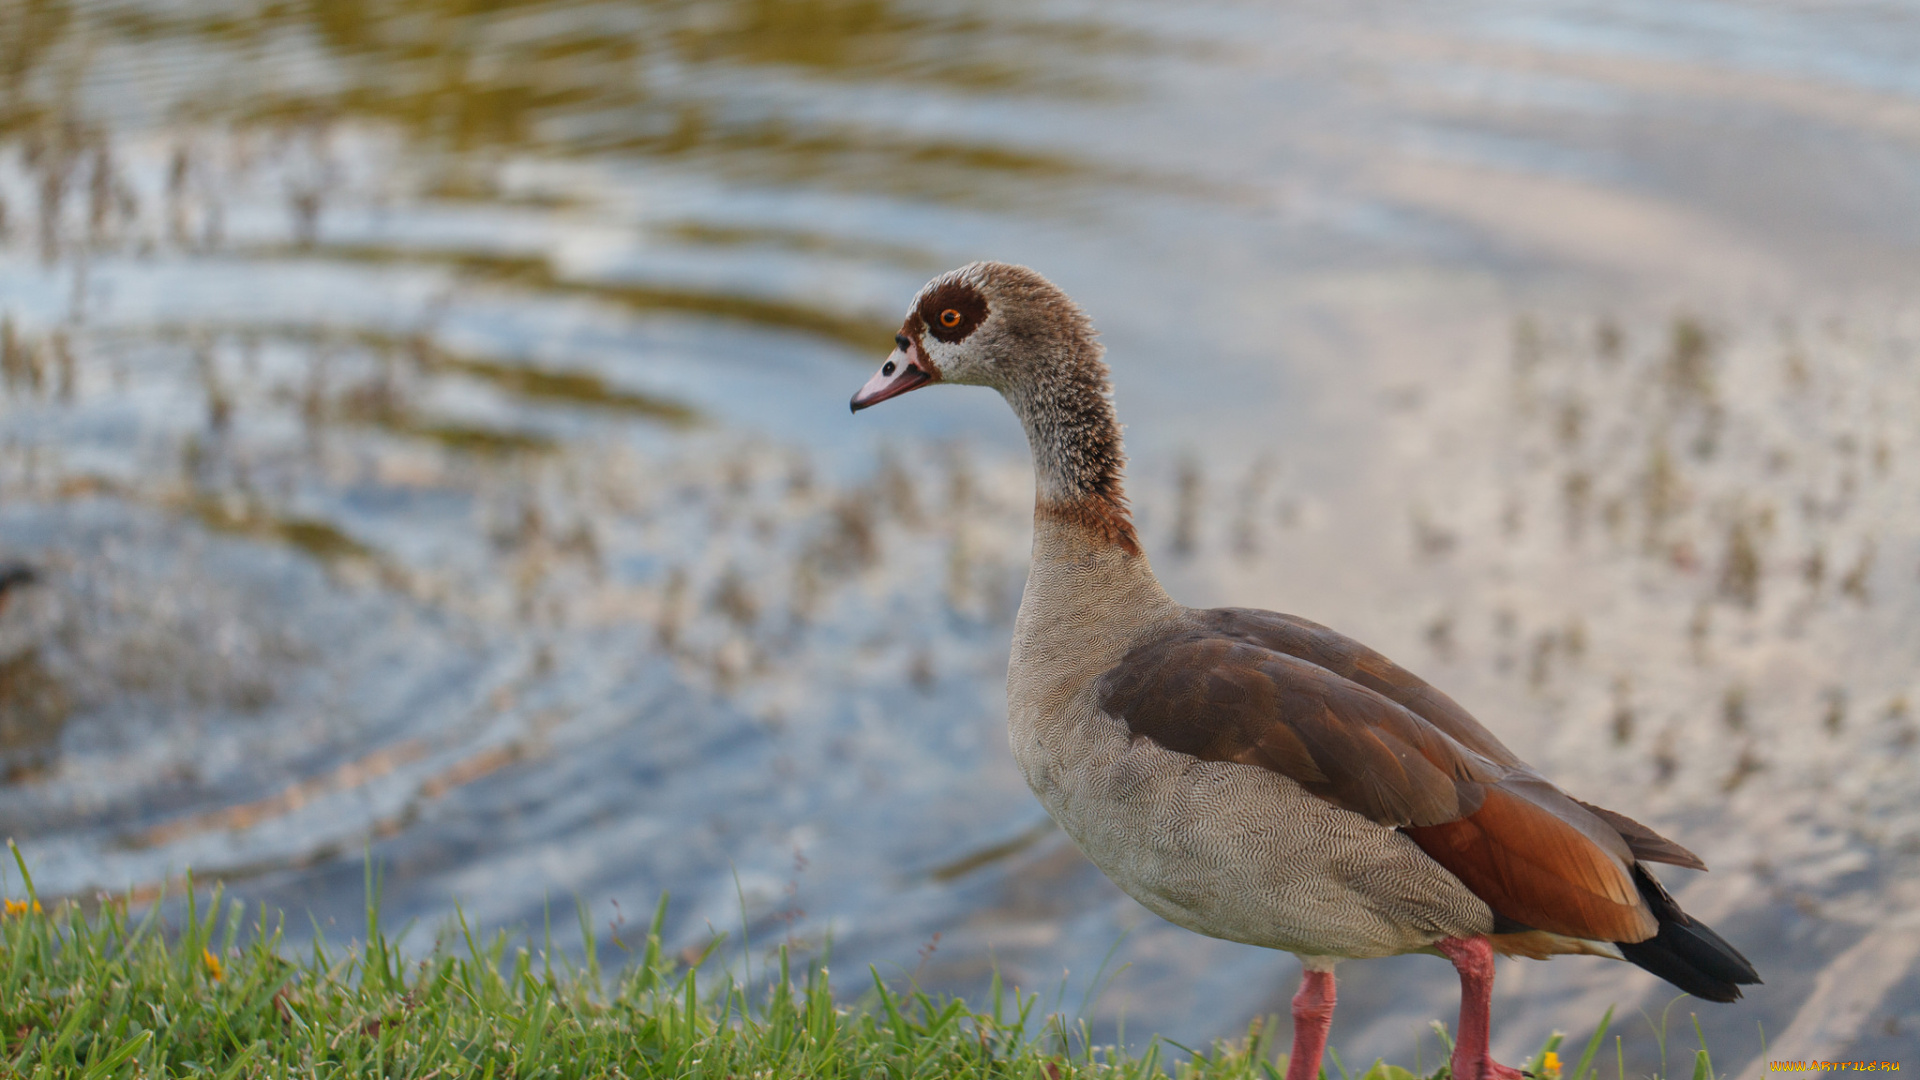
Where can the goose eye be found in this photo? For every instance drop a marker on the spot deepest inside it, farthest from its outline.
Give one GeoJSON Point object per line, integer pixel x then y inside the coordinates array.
{"type": "Point", "coordinates": [950, 318]}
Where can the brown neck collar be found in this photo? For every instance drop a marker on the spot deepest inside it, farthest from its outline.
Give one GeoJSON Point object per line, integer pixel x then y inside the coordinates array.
{"type": "Point", "coordinates": [1104, 520]}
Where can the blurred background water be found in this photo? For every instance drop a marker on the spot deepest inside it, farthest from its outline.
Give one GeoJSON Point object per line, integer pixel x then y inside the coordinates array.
{"type": "Point", "coordinates": [429, 421]}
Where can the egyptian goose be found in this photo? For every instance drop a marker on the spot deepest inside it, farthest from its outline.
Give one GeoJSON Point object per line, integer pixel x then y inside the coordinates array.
{"type": "Point", "coordinates": [1255, 776]}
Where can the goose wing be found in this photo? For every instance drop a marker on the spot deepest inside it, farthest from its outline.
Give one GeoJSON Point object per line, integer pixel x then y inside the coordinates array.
{"type": "Point", "coordinates": [1359, 731]}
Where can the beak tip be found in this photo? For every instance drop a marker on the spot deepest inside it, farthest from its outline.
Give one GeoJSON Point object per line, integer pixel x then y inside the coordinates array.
{"type": "Point", "coordinates": [899, 375]}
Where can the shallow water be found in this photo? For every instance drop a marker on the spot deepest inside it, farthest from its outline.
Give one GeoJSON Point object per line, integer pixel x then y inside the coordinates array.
{"type": "Point", "coordinates": [431, 422]}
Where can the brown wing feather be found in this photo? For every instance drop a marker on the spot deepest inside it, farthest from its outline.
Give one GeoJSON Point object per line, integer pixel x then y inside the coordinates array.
{"type": "Point", "coordinates": [1539, 870]}
{"type": "Point", "coordinates": [1347, 658]}
{"type": "Point", "coordinates": [1366, 735]}
{"type": "Point", "coordinates": [1646, 845]}
{"type": "Point", "coordinates": [1221, 699]}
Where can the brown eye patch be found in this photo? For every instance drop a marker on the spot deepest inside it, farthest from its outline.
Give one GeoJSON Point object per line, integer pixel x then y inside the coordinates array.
{"type": "Point", "coordinates": [952, 311]}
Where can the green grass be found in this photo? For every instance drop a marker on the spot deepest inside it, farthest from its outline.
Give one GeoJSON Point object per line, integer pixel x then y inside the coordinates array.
{"type": "Point", "coordinates": [97, 992]}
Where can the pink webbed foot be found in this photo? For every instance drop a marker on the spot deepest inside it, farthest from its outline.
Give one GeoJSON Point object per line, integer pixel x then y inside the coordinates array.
{"type": "Point", "coordinates": [1312, 1016]}
{"type": "Point", "coordinates": [1472, 1057]}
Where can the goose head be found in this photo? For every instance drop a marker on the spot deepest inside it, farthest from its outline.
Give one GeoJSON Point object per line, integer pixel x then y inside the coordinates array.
{"type": "Point", "coordinates": [1006, 327]}
{"type": "Point", "coordinates": [984, 324]}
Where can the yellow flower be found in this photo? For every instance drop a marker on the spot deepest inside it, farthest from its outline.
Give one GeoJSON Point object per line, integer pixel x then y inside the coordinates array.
{"type": "Point", "coordinates": [214, 967]}
{"type": "Point", "coordinates": [1550, 1064]}
{"type": "Point", "coordinates": [21, 907]}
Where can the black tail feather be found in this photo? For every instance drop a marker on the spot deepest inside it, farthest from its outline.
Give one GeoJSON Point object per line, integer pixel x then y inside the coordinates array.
{"type": "Point", "coordinates": [1686, 953]}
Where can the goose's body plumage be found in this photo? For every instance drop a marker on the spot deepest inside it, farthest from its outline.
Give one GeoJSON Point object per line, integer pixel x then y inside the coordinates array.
{"type": "Point", "coordinates": [1228, 850]}
{"type": "Point", "coordinates": [1255, 776]}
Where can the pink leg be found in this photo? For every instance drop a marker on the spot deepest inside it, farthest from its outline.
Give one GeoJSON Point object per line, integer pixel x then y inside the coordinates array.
{"type": "Point", "coordinates": [1312, 1016]}
{"type": "Point", "coordinates": [1472, 1059]}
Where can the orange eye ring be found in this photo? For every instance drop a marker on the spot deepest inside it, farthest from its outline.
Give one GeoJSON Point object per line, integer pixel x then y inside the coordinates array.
{"type": "Point", "coordinates": [950, 318]}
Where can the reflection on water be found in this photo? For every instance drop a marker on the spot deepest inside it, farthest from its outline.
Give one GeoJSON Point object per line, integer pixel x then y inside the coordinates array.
{"type": "Point", "coordinates": [429, 421]}
{"type": "Point", "coordinates": [709, 83]}
{"type": "Point", "coordinates": [33, 709]}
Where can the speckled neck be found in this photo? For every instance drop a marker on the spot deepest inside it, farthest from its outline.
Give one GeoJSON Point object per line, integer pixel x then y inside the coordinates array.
{"type": "Point", "coordinates": [1066, 406]}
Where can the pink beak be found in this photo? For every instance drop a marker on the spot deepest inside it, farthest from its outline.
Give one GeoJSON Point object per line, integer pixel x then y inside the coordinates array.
{"type": "Point", "coordinates": [906, 369]}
